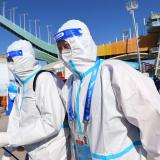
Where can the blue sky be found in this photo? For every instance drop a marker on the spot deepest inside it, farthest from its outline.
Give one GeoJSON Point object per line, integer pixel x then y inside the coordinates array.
{"type": "Point", "coordinates": [107, 19]}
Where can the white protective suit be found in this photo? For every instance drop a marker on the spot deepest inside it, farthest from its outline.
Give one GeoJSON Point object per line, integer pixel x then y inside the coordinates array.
{"type": "Point", "coordinates": [36, 121]}
{"type": "Point", "coordinates": [125, 105]}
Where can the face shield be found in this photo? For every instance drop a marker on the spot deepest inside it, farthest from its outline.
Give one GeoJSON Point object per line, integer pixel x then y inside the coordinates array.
{"type": "Point", "coordinates": [10, 61]}
{"type": "Point", "coordinates": [63, 43]}
{"type": "Point", "coordinates": [76, 46]}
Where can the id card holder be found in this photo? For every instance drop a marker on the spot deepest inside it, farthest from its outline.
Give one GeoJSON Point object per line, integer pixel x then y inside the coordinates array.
{"type": "Point", "coordinates": [82, 147]}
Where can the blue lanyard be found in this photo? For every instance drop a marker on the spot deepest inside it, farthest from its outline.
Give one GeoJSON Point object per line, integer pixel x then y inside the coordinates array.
{"type": "Point", "coordinates": [71, 115]}
{"type": "Point", "coordinates": [86, 116]}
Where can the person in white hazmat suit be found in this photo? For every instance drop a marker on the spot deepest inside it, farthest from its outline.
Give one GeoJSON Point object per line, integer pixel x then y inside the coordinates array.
{"type": "Point", "coordinates": [113, 110]}
{"type": "Point", "coordinates": [36, 120]}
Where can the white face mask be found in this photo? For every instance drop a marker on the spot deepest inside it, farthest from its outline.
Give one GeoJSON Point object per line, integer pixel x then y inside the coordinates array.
{"type": "Point", "coordinates": [66, 55]}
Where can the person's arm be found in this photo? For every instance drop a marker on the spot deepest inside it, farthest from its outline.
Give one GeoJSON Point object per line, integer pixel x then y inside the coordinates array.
{"type": "Point", "coordinates": [140, 102]}
{"type": "Point", "coordinates": [51, 113]}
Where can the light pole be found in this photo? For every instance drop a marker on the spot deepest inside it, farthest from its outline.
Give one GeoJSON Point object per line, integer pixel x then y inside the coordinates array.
{"type": "Point", "coordinates": [123, 36]}
{"type": "Point", "coordinates": [10, 14]}
{"type": "Point", "coordinates": [48, 33]}
{"type": "Point", "coordinates": [24, 20]}
{"type": "Point", "coordinates": [144, 25]}
{"type": "Point", "coordinates": [4, 9]}
{"type": "Point", "coordinates": [30, 26]}
{"type": "Point", "coordinates": [50, 37]}
{"type": "Point", "coordinates": [13, 9]}
{"type": "Point", "coordinates": [20, 20]}
{"type": "Point", "coordinates": [131, 6]}
{"type": "Point", "coordinates": [35, 23]}
{"type": "Point", "coordinates": [39, 31]}
{"type": "Point", "coordinates": [126, 35]}
{"type": "Point", "coordinates": [130, 34]}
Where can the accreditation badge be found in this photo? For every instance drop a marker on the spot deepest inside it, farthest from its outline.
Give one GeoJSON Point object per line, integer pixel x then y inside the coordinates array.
{"type": "Point", "coordinates": [82, 147]}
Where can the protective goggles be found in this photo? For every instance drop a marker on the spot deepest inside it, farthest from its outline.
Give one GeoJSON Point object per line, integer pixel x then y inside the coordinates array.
{"type": "Point", "coordinates": [68, 33]}
{"type": "Point", "coordinates": [14, 54]}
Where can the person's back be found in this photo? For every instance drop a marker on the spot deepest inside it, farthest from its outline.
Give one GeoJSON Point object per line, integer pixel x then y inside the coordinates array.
{"type": "Point", "coordinates": [37, 116]}
{"type": "Point", "coordinates": [114, 111]}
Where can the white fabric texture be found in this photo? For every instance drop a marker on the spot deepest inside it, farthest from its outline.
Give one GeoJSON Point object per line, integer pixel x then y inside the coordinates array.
{"type": "Point", "coordinates": [37, 117]}
{"type": "Point", "coordinates": [5, 158]}
{"type": "Point", "coordinates": [3, 139]}
{"type": "Point", "coordinates": [125, 108]}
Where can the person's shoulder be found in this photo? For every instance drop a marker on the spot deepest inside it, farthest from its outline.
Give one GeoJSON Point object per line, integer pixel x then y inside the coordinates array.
{"type": "Point", "coordinates": [48, 77]}
{"type": "Point", "coordinates": [45, 75]}
{"type": "Point", "coordinates": [119, 68]}
{"type": "Point", "coordinates": [118, 64]}
{"type": "Point", "coordinates": [112, 65]}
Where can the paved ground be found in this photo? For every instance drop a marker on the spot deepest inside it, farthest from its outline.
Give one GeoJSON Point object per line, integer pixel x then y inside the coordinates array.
{"type": "Point", "coordinates": [3, 126]}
